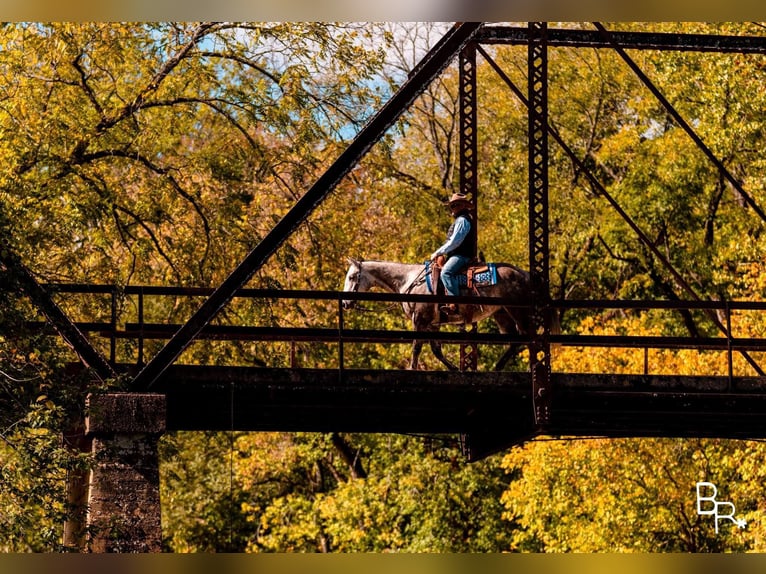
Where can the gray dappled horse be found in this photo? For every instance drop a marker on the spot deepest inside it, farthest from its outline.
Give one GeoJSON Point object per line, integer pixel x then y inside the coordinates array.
{"type": "Point", "coordinates": [512, 283]}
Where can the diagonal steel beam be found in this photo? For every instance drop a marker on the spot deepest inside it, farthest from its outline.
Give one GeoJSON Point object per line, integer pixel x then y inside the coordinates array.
{"type": "Point", "coordinates": [680, 121]}
{"type": "Point", "coordinates": [622, 213]}
{"type": "Point", "coordinates": [430, 66]}
{"type": "Point", "coordinates": [22, 276]}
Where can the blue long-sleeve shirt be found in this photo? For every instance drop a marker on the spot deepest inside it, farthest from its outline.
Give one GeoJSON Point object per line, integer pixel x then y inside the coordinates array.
{"type": "Point", "coordinates": [460, 230]}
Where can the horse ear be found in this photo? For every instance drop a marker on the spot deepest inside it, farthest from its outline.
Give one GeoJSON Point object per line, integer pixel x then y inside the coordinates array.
{"type": "Point", "coordinates": [352, 261]}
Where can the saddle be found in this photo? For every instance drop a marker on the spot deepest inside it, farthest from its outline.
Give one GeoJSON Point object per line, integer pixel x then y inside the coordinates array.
{"type": "Point", "coordinates": [478, 273]}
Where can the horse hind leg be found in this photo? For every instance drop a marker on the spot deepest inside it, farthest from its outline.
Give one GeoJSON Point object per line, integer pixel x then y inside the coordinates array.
{"type": "Point", "coordinates": [507, 326]}
{"type": "Point", "coordinates": [436, 349]}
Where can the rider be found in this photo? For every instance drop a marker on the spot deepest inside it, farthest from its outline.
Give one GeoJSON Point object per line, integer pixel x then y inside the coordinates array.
{"type": "Point", "coordinates": [459, 247]}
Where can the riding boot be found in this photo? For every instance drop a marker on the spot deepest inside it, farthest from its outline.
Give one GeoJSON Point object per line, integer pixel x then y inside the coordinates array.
{"type": "Point", "coordinates": [441, 317]}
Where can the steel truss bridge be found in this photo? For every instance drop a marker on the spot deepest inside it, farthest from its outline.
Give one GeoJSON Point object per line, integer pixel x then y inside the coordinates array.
{"type": "Point", "coordinates": [490, 410]}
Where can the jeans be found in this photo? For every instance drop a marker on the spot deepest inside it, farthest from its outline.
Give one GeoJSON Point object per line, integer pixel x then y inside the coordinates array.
{"type": "Point", "coordinates": [450, 272]}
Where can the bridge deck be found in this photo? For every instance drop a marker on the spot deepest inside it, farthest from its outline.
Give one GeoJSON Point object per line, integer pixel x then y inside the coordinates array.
{"type": "Point", "coordinates": [492, 410]}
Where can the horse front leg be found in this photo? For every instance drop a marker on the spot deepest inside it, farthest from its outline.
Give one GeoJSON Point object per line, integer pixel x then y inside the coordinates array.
{"type": "Point", "coordinates": [436, 348]}
{"type": "Point", "coordinates": [417, 346]}
{"type": "Point", "coordinates": [510, 352]}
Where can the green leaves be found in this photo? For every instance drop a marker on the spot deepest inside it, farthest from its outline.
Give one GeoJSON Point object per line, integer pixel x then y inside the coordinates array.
{"type": "Point", "coordinates": [160, 153]}
{"type": "Point", "coordinates": [115, 136]}
{"type": "Point", "coordinates": [416, 496]}
{"type": "Point", "coordinates": [629, 495]}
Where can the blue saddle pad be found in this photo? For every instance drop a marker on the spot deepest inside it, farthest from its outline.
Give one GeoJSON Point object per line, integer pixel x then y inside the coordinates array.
{"type": "Point", "coordinates": [481, 279]}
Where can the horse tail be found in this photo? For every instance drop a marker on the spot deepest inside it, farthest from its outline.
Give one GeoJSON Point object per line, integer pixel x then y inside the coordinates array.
{"type": "Point", "coordinates": [555, 328]}
{"type": "Point", "coordinates": [555, 323]}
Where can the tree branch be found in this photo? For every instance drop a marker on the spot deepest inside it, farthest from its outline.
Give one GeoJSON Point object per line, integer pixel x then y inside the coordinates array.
{"type": "Point", "coordinates": [163, 171]}
{"type": "Point", "coordinates": [349, 456]}
{"type": "Point", "coordinates": [86, 87]}
{"type": "Point", "coordinates": [139, 101]}
{"type": "Point", "coordinates": [151, 234]}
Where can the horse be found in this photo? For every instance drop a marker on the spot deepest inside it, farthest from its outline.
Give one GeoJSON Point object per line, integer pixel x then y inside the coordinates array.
{"type": "Point", "coordinates": [512, 283]}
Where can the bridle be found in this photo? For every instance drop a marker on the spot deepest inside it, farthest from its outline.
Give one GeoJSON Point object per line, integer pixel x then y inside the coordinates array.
{"type": "Point", "coordinates": [355, 288]}
{"type": "Point", "coordinates": [419, 280]}
{"type": "Point", "coordinates": [357, 305]}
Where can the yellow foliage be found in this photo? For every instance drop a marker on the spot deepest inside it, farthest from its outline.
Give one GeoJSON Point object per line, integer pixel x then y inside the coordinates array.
{"type": "Point", "coordinates": [744, 324]}
{"type": "Point", "coordinates": [639, 495]}
{"type": "Point", "coordinates": [617, 495]}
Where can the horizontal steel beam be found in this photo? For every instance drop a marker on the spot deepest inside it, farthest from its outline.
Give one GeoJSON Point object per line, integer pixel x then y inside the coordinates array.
{"type": "Point", "coordinates": [634, 40]}
{"type": "Point", "coordinates": [492, 410]}
{"type": "Point", "coordinates": [324, 400]}
{"type": "Point", "coordinates": [157, 290]}
{"type": "Point", "coordinates": [319, 334]}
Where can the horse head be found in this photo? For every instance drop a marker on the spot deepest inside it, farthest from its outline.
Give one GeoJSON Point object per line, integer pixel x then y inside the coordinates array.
{"type": "Point", "coordinates": [355, 281]}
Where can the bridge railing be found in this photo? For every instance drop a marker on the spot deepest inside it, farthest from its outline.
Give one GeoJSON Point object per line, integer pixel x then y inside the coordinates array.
{"type": "Point", "coordinates": [118, 326]}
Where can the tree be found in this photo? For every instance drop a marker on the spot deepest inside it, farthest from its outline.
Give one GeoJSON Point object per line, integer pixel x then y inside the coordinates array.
{"type": "Point", "coordinates": [161, 153]}
{"type": "Point", "coordinates": [637, 495]}
{"type": "Point", "coordinates": [630, 495]}
{"type": "Point", "coordinates": [40, 402]}
{"type": "Point", "coordinates": [413, 495]}
{"type": "Point", "coordinates": [207, 116]}
{"type": "Point", "coordinates": [152, 153]}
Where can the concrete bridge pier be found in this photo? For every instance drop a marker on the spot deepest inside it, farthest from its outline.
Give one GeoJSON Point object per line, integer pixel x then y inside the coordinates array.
{"type": "Point", "coordinates": [123, 512]}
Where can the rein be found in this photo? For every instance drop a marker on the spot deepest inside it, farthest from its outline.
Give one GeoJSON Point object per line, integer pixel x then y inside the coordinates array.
{"type": "Point", "coordinates": [419, 280]}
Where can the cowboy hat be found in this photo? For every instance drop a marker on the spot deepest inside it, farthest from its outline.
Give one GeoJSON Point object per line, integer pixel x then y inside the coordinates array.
{"type": "Point", "coordinates": [458, 198]}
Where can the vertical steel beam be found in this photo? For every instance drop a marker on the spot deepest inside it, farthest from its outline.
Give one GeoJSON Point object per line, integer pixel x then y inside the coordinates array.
{"type": "Point", "coordinates": [469, 352]}
{"type": "Point", "coordinates": [583, 169]}
{"type": "Point", "coordinates": [468, 129]}
{"type": "Point", "coordinates": [539, 349]}
{"type": "Point", "coordinates": [432, 64]}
